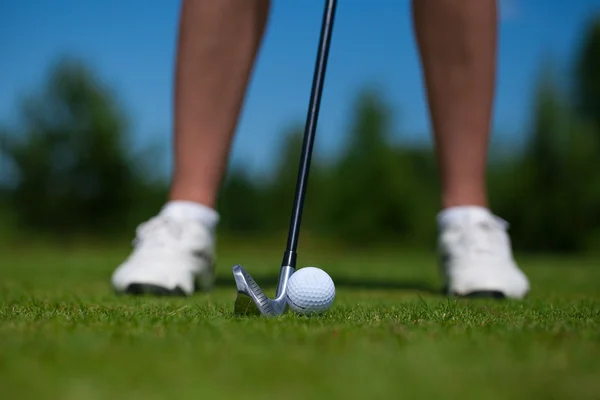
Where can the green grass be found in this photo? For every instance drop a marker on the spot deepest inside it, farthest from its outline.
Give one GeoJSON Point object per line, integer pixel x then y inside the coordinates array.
{"type": "Point", "coordinates": [64, 335]}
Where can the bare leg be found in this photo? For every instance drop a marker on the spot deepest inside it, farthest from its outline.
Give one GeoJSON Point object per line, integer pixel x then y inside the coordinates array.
{"type": "Point", "coordinates": [218, 42]}
{"type": "Point", "coordinates": [457, 43]}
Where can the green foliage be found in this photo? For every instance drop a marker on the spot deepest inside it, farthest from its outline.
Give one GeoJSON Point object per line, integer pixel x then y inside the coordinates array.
{"type": "Point", "coordinates": [74, 170]}
{"type": "Point", "coordinates": [552, 193]}
{"type": "Point", "coordinates": [381, 192]}
{"type": "Point", "coordinates": [587, 75]}
{"type": "Point", "coordinates": [374, 192]}
{"type": "Point", "coordinates": [240, 205]}
{"type": "Point", "coordinates": [376, 186]}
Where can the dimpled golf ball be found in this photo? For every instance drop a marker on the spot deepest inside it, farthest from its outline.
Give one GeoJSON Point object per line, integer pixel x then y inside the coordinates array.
{"type": "Point", "coordinates": [310, 291]}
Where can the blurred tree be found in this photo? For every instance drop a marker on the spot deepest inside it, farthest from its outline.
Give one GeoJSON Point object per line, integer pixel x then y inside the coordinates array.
{"type": "Point", "coordinates": [74, 169]}
{"type": "Point", "coordinates": [241, 204]}
{"type": "Point", "coordinates": [378, 192]}
{"type": "Point", "coordinates": [282, 188]}
{"type": "Point", "coordinates": [588, 74]}
{"type": "Point", "coordinates": [282, 185]}
{"type": "Point", "coordinates": [547, 195]}
{"type": "Point", "coordinates": [587, 101]}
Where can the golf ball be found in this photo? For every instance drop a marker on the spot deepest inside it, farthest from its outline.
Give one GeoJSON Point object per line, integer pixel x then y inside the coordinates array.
{"type": "Point", "coordinates": [310, 291]}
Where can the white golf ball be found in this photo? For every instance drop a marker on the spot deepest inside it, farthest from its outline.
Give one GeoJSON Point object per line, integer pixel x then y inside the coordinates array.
{"type": "Point", "coordinates": [310, 291]}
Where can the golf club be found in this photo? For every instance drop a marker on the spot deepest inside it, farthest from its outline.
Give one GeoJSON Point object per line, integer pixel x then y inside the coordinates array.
{"type": "Point", "coordinates": [250, 297]}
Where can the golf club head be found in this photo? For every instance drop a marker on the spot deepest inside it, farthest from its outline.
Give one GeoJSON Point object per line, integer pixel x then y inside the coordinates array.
{"type": "Point", "coordinates": [251, 300]}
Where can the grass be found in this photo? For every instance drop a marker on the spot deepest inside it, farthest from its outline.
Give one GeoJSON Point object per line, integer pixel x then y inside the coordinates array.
{"type": "Point", "coordinates": [65, 335]}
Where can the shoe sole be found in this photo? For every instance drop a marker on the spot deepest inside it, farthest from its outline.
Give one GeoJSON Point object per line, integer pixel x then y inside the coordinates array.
{"type": "Point", "coordinates": [143, 289]}
{"type": "Point", "coordinates": [483, 294]}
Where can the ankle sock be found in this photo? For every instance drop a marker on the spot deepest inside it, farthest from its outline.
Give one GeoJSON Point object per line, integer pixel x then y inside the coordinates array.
{"type": "Point", "coordinates": [191, 210]}
{"type": "Point", "coordinates": [451, 214]}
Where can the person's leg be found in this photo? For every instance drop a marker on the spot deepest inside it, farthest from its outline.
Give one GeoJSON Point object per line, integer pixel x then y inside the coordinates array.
{"type": "Point", "coordinates": [457, 43]}
{"type": "Point", "coordinates": [218, 43]}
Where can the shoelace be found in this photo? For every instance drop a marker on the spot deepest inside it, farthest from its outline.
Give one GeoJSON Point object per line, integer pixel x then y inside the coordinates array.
{"type": "Point", "coordinates": [157, 231]}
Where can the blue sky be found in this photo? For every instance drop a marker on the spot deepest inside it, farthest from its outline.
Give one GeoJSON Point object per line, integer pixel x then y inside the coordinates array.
{"type": "Point", "coordinates": [131, 45]}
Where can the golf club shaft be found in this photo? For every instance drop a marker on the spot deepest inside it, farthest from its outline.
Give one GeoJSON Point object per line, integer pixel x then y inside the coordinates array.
{"type": "Point", "coordinates": [289, 258]}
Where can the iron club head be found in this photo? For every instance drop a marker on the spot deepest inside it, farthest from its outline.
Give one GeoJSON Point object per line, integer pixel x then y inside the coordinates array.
{"type": "Point", "coordinates": [251, 300]}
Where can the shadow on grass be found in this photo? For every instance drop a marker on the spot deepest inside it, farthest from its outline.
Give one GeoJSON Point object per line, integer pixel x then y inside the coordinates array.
{"type": "Point", "coordinates": [266, 281]}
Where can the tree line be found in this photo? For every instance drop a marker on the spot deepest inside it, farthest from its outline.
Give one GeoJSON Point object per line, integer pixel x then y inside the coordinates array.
{"type": "Point", "coordinates": [69, 169]}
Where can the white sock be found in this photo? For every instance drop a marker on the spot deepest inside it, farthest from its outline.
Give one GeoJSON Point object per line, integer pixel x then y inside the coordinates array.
{"type": "Point", "coordinates": [192, 210]}
{"type": "Point", "coordinates": [452, 214]}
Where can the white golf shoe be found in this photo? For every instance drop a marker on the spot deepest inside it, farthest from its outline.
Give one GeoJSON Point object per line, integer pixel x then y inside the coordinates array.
{"type": "Point", "coordinates": [476, 257]}
{"type": "Point", "coordinates": [171, 256]}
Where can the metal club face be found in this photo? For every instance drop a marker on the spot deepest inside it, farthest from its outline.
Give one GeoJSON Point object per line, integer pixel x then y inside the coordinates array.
{"type": "Point", "coordinates": [251, 300]}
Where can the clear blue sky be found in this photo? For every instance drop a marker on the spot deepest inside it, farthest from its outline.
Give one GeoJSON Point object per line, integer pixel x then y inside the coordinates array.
{"type": "Point", "coordinates": [131, 45]}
